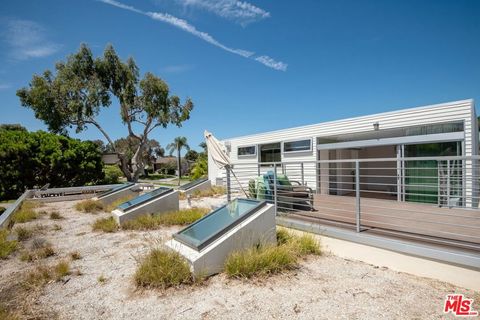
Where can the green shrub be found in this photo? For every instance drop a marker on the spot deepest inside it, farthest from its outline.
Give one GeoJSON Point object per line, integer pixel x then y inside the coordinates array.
{"type": "Point", "coordinates": [89, 206]}
{"type": "Point", "coordinates": [150, 222]}
{"type": "Point", "coordinates": [163, 269]}
{"type": "Point", "coordinates": [32, 159]}
{"type": "Point", "coordinates": [6, 247]}
{"type": "Point", "coordinates": [105, 225]}
{"type": "Point", "coordinates": [112, 174]}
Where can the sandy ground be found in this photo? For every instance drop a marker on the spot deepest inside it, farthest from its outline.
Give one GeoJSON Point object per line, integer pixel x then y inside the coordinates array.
{"type": "Point", "coordinates": [325, 287]}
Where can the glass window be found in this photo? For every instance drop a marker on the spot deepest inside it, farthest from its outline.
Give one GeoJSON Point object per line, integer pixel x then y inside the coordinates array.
{"type": "Point", "coordinates": [300, 145]}
{"type": "Point", "coordinates": [247, 151]}
{"type": "Point", "coordinates": [397, 132]}
{"type": "Point", "coordinates": [270, 152]}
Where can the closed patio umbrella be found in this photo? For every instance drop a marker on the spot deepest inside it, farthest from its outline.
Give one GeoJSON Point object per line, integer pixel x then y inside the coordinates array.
{"type": "Point", "coordinates": [219, 155]}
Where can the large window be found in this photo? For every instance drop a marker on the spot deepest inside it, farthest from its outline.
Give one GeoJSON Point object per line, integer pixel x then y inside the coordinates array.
{"type": "Point", "coordinates": [397, 132]}
{"type": "Point", "coordinates": [297, 146]}
{"type": "Point", "coordinates": [270, 152]}
{"type": "Point", "coordinates": [247, 151]}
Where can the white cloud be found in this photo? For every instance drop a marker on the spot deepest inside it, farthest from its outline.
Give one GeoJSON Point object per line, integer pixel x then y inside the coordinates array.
{"type": "Point", "coordinates": [5, 86]}
{"type": "Point", "coordinates": [269, 62]}
{"type": "Point", "coordinates": [238, 11]}
{"type": "Point", "coordinates": [27, 39]}
{"type": "Point", "coordinates": [187, 27]}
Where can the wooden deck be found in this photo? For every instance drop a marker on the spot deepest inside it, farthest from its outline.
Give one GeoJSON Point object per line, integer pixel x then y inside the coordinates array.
{"type": "Point", "coordinates": [418, 219]}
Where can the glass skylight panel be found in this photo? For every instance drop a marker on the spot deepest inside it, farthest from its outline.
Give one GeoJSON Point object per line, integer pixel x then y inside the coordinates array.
{"type": "Point", "coordinates": [204, 231]}
{"type": "Point", "coordinates": [144, 198]}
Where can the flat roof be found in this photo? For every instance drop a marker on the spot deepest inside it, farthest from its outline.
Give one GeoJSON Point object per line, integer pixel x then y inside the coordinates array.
{"type": "Point", "coordinates": [439, 105]}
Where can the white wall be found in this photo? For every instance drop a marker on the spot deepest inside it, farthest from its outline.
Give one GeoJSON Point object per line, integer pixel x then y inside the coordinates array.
{"type": "Point", "coordinates": [446, 112]}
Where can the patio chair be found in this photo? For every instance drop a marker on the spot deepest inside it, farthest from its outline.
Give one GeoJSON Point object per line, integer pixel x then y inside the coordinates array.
{"type": "Point", "coordinates": [289, 192]}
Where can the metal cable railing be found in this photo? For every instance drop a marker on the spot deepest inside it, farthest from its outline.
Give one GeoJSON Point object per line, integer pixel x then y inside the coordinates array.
{"type": "Point", "coordinates": [431, 196]}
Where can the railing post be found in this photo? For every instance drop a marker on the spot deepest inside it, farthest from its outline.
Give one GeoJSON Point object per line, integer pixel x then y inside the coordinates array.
{"type": "Point", "coordinates": [357, 195]}
{"type": "Point", "coordinates": [275, 186]}
{"type": "Point", "coordinates": [303, 174]}
{"type": "Point", "coordinates": [448, 183]}
{"type": "Point", "coordinates": [229, 190]}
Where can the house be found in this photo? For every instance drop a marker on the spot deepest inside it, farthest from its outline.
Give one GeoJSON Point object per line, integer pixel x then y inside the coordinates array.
{"type": "Point", "coordinates": [110, 158]}
{"type": "Point", "coordinates": [446, 129]}
{"type": "Point", "coordinates": [169, 165]}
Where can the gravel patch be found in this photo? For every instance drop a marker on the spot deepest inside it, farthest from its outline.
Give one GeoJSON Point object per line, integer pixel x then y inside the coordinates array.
{"type": "Point", "coordinates": [325, 287]}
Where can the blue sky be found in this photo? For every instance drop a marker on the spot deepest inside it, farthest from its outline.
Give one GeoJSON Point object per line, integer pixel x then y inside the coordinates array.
{"type": "Point", "coordinates": [258, 65]}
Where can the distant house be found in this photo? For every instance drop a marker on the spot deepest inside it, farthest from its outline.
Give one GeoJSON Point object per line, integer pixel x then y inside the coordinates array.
{"type": "Point", "coordinates": [110, 158]}
{"type": "Point", "coordinates": [169, 165]}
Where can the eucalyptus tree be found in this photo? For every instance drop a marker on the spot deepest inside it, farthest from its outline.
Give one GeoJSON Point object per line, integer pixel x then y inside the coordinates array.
{"type": "Point", "coordinates": [178, 144]}
{"type": "Point", "coordinates": [82, 86]}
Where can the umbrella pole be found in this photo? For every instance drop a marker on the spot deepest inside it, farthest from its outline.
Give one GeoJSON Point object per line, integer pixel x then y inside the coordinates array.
{"type": "Point", "coordinates": [229, 169]}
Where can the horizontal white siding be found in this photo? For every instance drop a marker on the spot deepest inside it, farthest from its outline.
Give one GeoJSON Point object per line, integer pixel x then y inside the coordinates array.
{"type": "Point", "coordinates": [447, 112]}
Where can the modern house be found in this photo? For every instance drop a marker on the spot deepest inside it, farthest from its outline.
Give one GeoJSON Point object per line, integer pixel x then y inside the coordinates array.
{"type": "Point", "coordinates": [405, 180]}
{"type": "Point", "coordinates": [446, 129]}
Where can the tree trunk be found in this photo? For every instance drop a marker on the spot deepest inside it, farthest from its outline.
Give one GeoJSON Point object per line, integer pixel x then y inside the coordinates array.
{"type": "Point", "coordinates": [138, 165]}
{"type": "Point", "coordinates": [179, 164]}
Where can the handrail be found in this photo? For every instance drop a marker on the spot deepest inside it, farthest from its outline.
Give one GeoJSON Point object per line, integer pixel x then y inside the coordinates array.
{"type": "Point", "coordinates": [5, 217]}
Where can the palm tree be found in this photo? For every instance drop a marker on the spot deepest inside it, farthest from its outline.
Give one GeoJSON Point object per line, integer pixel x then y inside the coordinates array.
{"type": "Point", "coordinates": [178, 144]}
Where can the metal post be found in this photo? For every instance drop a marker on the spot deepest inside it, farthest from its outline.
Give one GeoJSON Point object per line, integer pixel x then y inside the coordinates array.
{"type": "Point", "coordinates": [357, 194]}
{"type": "Point", "coordinates": [229, 190]}
{"type": "Point", "coordinates": [258, 169]}
{"type": "Point", "coordinates": [275, 186]}
{"type": "Point", "coordinates": [303, 175]}
{"type": "Point", "coordinates": [448, 183]}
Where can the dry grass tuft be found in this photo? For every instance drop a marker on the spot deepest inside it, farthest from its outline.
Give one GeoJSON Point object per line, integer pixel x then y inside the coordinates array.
{"type": "Point", "coordinates": [118, 202]}
{"type": "Point", "coordinates": [56, 227]}
{"type": "Point", "coordinates": [55, 215]}
{"type": "Point", "coordinates": [163, 269]}
{"type": "Point", "coordinates": [26, 212]}
{"type": "Point", "coordinates": [105, 225]}
{"type": "Point", "coordinates": [75, 255]}
{"type": "Point", "coordinates": [7, 247]}
{"type": "Point", "coordinates": [89, 206]}
{"type": "Point", "coordinates": [40, 249]}
{"type": "Point", "coordinates": [62, 269]}
{"type": "Point", "coordinates": [23, 233]}
{"type": "Point", "coordinates": [214, 191]}
{"type": "Point", "coordinates": [271, 259]}
{"type": "Point", "coordinates": [151, 222]}
{"type": "Point", "coordinates": [42, 274]}
{"type": "Point", "coordinates": [101, 279]}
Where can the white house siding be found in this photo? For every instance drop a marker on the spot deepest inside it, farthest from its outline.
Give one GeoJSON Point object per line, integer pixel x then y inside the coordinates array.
{"type": "Point", "coordinates": [463, 110]}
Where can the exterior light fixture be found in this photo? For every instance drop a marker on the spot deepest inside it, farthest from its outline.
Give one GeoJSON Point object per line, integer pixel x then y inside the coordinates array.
{"type": "Point", "coordinates": [376, 126]}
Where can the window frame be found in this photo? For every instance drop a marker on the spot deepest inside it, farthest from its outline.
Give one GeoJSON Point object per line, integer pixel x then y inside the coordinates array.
{"type": "Point", "coordinates": [298, 151]}
{"type": "Point", "coordinates": [247, 155]}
